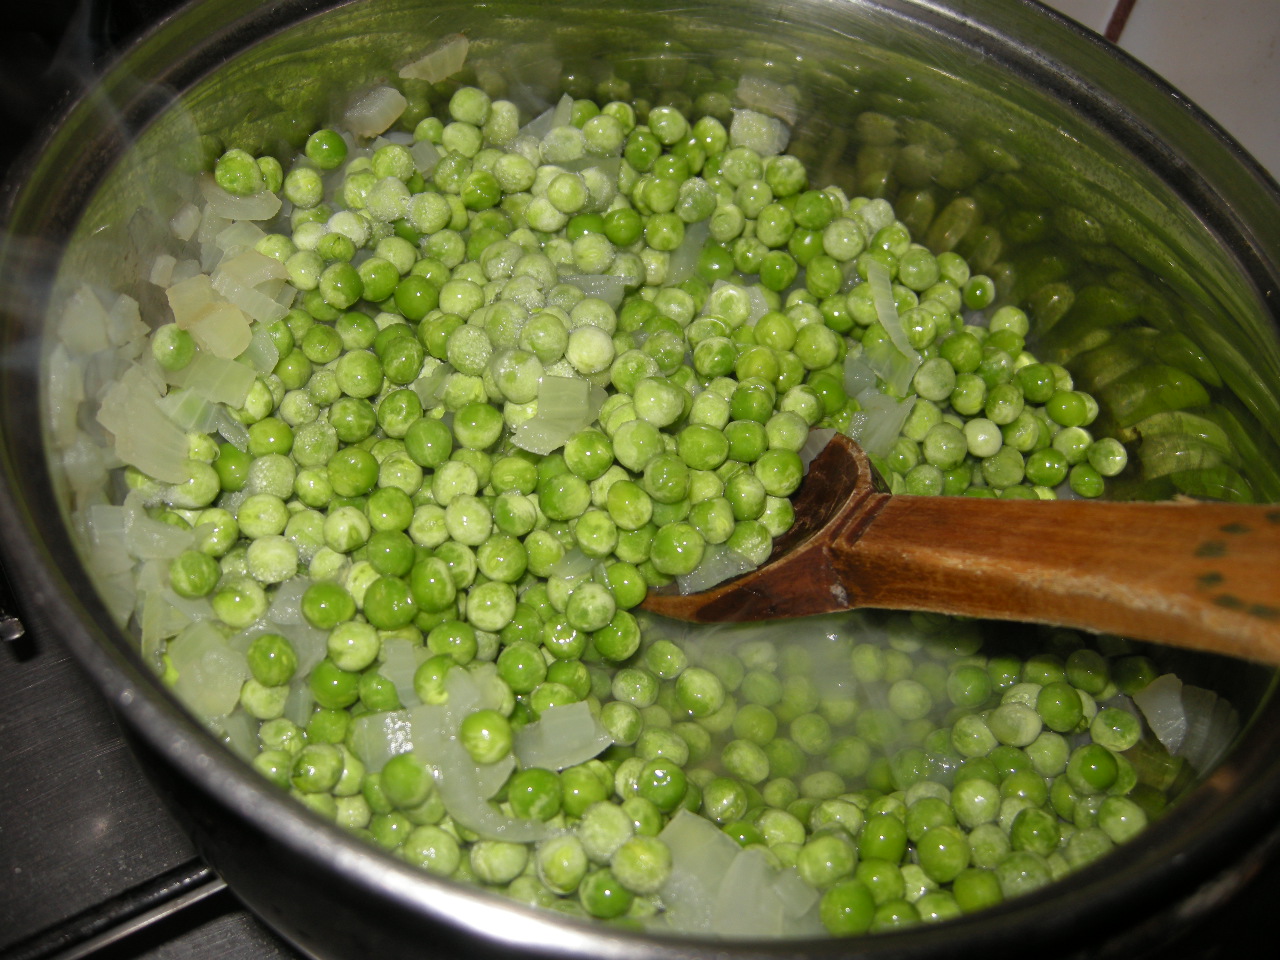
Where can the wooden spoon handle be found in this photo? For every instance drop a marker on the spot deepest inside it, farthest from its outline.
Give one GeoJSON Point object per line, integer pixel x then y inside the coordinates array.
{"type": "Point", "coordinates": [1201, 575]}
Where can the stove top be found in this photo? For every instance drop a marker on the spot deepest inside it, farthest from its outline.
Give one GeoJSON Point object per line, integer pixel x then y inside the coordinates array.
{"type": "Point", "coordinates": [91, 864]}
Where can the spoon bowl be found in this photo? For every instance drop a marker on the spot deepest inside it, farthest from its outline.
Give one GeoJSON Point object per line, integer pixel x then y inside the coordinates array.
{"type": "Point", "coordinates": [1205, 576]}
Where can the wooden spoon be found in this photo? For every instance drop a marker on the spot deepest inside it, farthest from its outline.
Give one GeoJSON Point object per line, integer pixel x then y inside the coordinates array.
{"type": "Point", "coordinates": [1187, 573]}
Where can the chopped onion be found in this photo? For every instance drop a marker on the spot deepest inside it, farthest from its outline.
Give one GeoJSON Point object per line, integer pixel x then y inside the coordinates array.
{"type": "Point", "coordinates": [377, 737]}
{"type": "Point", "coordinates": [767, 136]}
{"type": "Point", "coordinates": [442, 61]}
{"type": "Point", "coordinates": [430, 384]}
{"type": "Point", "coordinates": [261, 354]}
{"type": "Point", "coordinates": [218, 380]}
{"type": "Point", "coordinates": [879, 421]}
{"type": "Point", "coordinates": [210, 673]}
{"type": "Point", "coordinates": [574, 565]}
{"type": "Point", "coordinates": [240, 237]}
{"type": "Point", "coordinates": [602, 286]}
{"type": "Point", "coordinates": [219, 327]}
{"type": "Point", "coordinates": [149, 539]}
{"type": "Point", "coordinates": [425, 157]}
{"type": "Point", "coordinates": [1212, 724]}
{"type": "Point", "coordinates": [159, 620]}
{"type": "Point", "coordinates": [83, 327]}
{"type": "Point", "coordinates": [144, 436]}
{"type": "Point", "coordinates": [262, 205]}
{"type": "Point", "coordinates": [857, 375]}
{"type": "Point", "coordinates": [401, 658]}
{"type": "Point", "coordinates": [718, 564]}
{"type": "Point", "coordinates": [189, 411]}
{"type": "Point", "coordinates": [561, 115]}
{"type": "Point", "coordinates": [184, 223]}
{"type": "Point", "coordinates": [286, 603]}
{"type": "Point", "coordinates": [233, 431]}
{"type": "Point", "coordinates": [565, 406]}
{"type": "Point", "coordinates": [746, 906]}
{"type": "Point", "coordinates": [895, 366]}
{"type": "Point", "coordinates": [465, 787]}
{"type": "Point", "coordinates": [65, 393]}
{"type": "Point", "coordinates": [162, 270]}
{"type": "Point", "coordinates": [563, 736]}
{"type": "Point", "coordinates": [374, 112]}
{"type": "Point", "coordinates": [701, 855]}
{"type": "Point", "coordinates": [683, 262]}
{"type": "Point", "coordinates": [814, 444]}
{"type": "Point", "coordinates": [239, 731]}
{"type": "Point", "coordinates": [1161, 703]}
{"type": "Point", "coordinates": [124, 323]}
{"type": "Point", "coordinates": [241, 280]}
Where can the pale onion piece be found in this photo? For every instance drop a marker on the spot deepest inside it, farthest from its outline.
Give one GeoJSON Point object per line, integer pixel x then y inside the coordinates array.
{"type": "Point", "coordinates": [85, 463]}
{"type": "Point", "coordinates": [308, 642]}
{"type": "Point", "coordinates": [766, 135]}
{"type": "Point", "coordinates": [542, 435]}
{"type": "Point", "coordinates": [897, 373]}
{"type": "Point", "coordinates": [149, 539]}
{"type": "Point", "coordinates": [375, 111]}
{"type": "Point", "coordinates": [65, 393]}
{"type": "Point", "coordinates": [759, 303]}
{"type": "Point", "coordinates": [858, 376]}
{"type": "Point", "coordinates": [189, 297]}
{"type": "Point", "coordinates": [210, 673]}
{"type": "Point", "coordinates": [222, 329]}
{"type": "Point", "coordinates": [240, 278]}
{"type": "Point", "coordinates": [261, 354]}
{"type": "Point", "coordinates": [300, 703]}
{"type": "Point", "coordinates": [286, 602]}
{"type": "Point", "coordinates": [767, 96]}
{"type": "Point", "coordinates": [563, 736]}
{"type": "Point", "coordinates": [377, 737]}
{"type": "Point", "coordinates": [718, 564]}
{"type": "Point", "coordinates": [700, 857]}
{"type": "Point", "coordinates": [684, 259]}
{"type": "Point", "coordinates": [425, 157]}
{"type": "Point", "coordinates": [218, 380]}
{"type": "Point", "coordinates": [262, 205]}
{"type": "Point", "coordinates": [233, 431]}
{"type": "Point", "coordinates": [602, 286]}
{"type": "Point", "coordinates": [83, 327]}
{"type": "Point", "coordinates": [162, 269]}
{"type": "Point", "coordinates": [814, 444]}
{"type": "Point", "coordinates": [250, 268]}
{"type": "Point", "coordinates": [746, 906]}
{"type": "Point", "coordinates": [1161, 704]}
{"type": "Point", "coordinates": [876, 426]}
{"type": "Point", "coordinates": [1212, 724]}
{"type": "Point", "coordinates": [241, 236]}
{"type": "Point", "coordinates": [430, 383]}
{"type": "Point", "coordinates": [143, 435]}
{"type": "Point", "coordinates": [160, 620]}
{"type": "Point", "coordinates": [799, 903]}
{"type": "Point", "coordinates": [184, 270]}
{"type": "Point", "coordinates": [124, 322]}
{"type": "Point", "coordinates": [105, 524]}
{"type": "Point", "coordinates": [239, 732]}
{"type": "Point", "coordinates": [188, 410]}
{"type": "Point", "coordinates": [183, 224]}
{"type": "Point", "coordinates": [442, 61]}
{"type": "Point", "coordinates": [401, 658]}
{"type": "Point", "coordinates": [574, 565]}
{"type": "Point", "coordinates": [558, 116]}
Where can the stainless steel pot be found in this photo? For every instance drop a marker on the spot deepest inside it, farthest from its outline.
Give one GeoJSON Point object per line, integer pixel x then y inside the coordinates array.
{"type": "Point", "coordinates": [1103, 158]}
